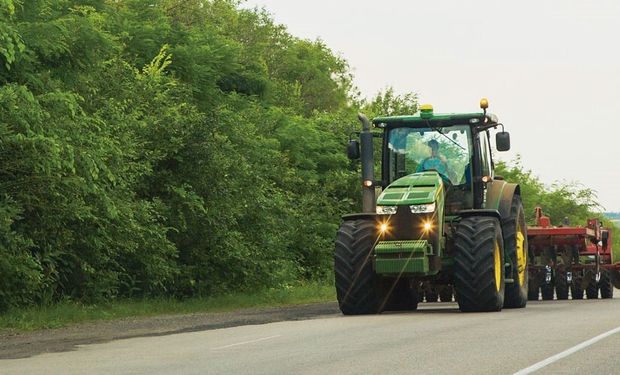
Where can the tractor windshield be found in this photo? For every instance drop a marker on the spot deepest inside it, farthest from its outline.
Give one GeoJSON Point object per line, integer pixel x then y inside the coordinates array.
{"type": "Point", "coordinates": [446, 150]}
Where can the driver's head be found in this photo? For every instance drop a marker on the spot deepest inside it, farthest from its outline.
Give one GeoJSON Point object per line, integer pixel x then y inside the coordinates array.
{"type": "Point", "coordinates": [434, 145]}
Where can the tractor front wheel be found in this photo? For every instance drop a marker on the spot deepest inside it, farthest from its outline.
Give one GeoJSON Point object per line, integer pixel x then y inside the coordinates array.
{"type": "Point", "coordinates": [479, 264]}
{"type": "Point", "coordinates": [357, 285]}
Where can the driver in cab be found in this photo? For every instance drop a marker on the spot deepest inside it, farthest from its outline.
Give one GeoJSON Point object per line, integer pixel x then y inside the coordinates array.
{"type": "Point", "coordinates": [435, 161]}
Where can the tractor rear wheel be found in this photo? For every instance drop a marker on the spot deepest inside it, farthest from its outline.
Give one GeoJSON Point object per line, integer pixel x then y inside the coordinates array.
{"type": "Point", "coordinates": [479, 264]}
{"type": "Point", "coordinates": [547, 292]}
{"type": "Point", "coordinates": [607, 289]}
{"type": "Point", "coordinates": [592, 289]}
{"type": "Point", "coordinates": [515, 247]}
{"type": "Point", "coordinates": [357, 285]}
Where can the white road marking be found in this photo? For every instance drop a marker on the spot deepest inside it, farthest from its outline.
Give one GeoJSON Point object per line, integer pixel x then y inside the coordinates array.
{"type": "Point", "coordinates": [246, 342]}
{"type": "Point", "coordinates": [566, 353]}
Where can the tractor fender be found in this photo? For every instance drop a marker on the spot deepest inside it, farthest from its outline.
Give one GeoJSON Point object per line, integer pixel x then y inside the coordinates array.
{"type": "Point", "coordinates": [359, 216]}
{"type": "Point", "coordinates": [481, 212]}
{"type": "Point", "coordinates": [499, 197]}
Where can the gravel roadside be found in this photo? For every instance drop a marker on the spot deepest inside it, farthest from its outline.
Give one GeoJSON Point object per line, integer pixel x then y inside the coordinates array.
{"type": "Point", "coordinates": [23, 345]}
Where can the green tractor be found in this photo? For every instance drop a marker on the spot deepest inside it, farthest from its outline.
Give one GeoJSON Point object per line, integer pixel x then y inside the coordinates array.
{"type": "Point", "coordinates": [442, 224]}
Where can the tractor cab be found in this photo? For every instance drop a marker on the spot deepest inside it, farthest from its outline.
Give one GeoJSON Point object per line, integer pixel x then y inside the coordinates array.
{"type": "Point", "coordinates": [448, 151]}
{"type": "Point", "coordinates": [455, 146]}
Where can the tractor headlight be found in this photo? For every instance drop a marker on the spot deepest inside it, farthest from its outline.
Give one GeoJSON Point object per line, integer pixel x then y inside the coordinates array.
{"type": "Point", "coordinates": [386, 210]}
{"type": "Point", "coordinates": [422, 208]}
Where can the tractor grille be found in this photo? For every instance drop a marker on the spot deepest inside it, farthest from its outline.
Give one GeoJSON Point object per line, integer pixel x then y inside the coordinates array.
{"type": "Point", "coordinates": [406, 226]}
{"type": "Point", "coordinates": [418, 195]}
{"type": "Point", "coordinates": [393, 196]}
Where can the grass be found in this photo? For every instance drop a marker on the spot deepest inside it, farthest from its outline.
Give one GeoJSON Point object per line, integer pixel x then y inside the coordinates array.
{"type": "Point", "coordinates": [67, 313]}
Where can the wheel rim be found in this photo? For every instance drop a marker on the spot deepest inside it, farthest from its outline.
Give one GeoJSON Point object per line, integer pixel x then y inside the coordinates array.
{"type": "Point", "coordinates": [521, 255]}
{"type": "Point", "coordinates": [498, 265]}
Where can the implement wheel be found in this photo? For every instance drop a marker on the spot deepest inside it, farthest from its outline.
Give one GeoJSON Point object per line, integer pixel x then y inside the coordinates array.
{"type": "Point", "coordinates": [445, 295]}
{"type": "Point", "coordinates": [607, 289]}
{"type": "Point", "coordinates": [515, 247]}
{"type": "Point", "coordinates": [357, 285]}
{"type": "Point", "coordinates": [576, 290]}
{"type": "Point", "coordinates": [592, 289]}
{"type": "Point", "coordinates": [420, 292]}
{"type": "Point", "coordinates": [479, 264]}
{"type": "Point", "coordinates": [547, 292]}
{"type": "Point", "coordinates": [403, 296]}
{"type": "Point", "coordinates": [561, 286]}
{"type": "Point", "coordinates": [533, 293]}
{"type": "Point", "coordinates": [431, 294]}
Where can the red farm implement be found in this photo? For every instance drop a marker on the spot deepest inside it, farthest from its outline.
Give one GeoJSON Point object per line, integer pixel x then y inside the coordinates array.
{"type": "Point", "coordinates": [573, 259]}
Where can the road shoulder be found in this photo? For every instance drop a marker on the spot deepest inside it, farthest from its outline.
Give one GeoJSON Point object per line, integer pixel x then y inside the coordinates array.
{"type": "Point", "coordinates": [23, 345]}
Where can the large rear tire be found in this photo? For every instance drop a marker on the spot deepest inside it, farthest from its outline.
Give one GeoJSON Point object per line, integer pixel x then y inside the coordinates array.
{"type": "Point", "coordinates": [357, 285]}
{"type": "Point", "coordinates": [607, 289]}
{"type": "Point", "coordinates": [515, 246]}
{"type": "Point", "coordinates": [479, 264]}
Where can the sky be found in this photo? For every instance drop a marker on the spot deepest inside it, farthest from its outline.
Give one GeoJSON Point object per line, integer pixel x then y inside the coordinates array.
{"type": "Point", "coordinates": [550, 69]}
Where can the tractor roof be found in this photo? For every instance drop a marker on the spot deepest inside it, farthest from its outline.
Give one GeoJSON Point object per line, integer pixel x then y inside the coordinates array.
{"type": "Point", "coordinates": [444, 119]}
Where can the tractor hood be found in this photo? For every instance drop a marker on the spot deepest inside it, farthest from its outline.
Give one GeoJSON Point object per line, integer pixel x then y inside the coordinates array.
{"type": "Point", "coordinates": [416, 188]}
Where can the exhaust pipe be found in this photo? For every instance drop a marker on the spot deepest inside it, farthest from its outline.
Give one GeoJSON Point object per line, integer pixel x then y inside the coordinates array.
{"type": "Point", "coordinates": [368, 166]}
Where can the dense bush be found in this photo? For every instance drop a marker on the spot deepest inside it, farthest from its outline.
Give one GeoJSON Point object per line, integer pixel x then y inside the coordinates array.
{"type": "Point", "coordinates": [558, 201]}
{"type": "Point", "coordinates": [165, 147]}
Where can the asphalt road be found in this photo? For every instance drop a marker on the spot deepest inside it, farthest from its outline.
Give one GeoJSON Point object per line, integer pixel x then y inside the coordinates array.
{"type": "Point", "coordinates": [436, 339]}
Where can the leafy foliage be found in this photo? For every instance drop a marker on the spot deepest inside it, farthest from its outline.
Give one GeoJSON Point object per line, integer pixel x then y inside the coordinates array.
{"type": "Point", "coordinates": [166, 148]}
{"type": "Point", "coordinates": [558, 201]}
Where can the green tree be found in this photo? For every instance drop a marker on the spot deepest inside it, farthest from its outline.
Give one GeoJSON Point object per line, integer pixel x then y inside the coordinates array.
{"type": "Point", "coordinates": [558, 201]}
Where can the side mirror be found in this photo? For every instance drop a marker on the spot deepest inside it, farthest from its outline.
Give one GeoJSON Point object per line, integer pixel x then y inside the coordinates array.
{"type": "Point", "coordinates": [502, 141]}
{"type": "Point", "coordinates": [353, 150]}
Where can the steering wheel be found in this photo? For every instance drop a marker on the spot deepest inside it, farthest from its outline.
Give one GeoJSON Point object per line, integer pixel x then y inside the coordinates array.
{"type": "Point", "coordinates": [433, 165]}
